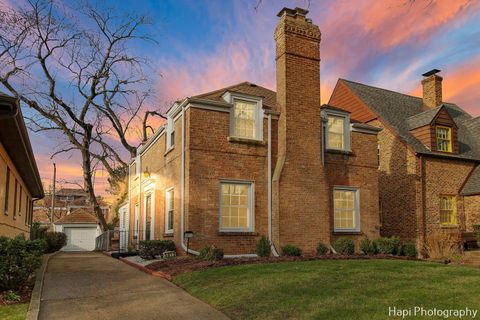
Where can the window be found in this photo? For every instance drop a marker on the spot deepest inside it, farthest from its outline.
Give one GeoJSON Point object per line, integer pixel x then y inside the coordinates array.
{"type": "Point", "coordinates": [170, 133]}
{"type": "Point", "coordinates": [448, 210]}
{"type": "Point", "coordinates": [15, 200]}
{"type": "Point", "coordinates": [236, 206]}
{"type": "Point", "coordinates": [346, 209]}
{"type": "Point", "coordinates": [27, 210]}
{"type": "Point", "coordinates": [247, 119]}
{"type": "Point", "coordinates": [148, 217]}
{"type": "Point", "coordinates": [444, 139]}
{"type": "Point", "coordinates": [337, 130]}
{"type": "Point", "coordinates": [7, 191]}
{"type": "Point", "coordinates": [20, 202]}
{"type": "Point", "coordinates": [169, 210]}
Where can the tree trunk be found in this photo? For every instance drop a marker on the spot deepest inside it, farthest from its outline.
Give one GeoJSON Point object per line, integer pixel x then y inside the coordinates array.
{"type": "Point", "coordinates": [88, 181]}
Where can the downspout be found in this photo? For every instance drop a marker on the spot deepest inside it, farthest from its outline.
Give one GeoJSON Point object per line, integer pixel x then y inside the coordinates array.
{"type": "Point", "coordinates": [269, 172]}
{"type": "Point", "coordinates": [182, 188]}
{"type": "Point", "coordinates": [422, 186]}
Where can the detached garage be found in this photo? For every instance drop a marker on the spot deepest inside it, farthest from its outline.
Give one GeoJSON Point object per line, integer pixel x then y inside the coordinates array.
{"type": "Point", "coordinates": [81, 228]}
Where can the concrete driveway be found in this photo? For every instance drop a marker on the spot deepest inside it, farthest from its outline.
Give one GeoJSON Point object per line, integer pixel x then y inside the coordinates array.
{"type": "Point", "coordinates": [94, 286]}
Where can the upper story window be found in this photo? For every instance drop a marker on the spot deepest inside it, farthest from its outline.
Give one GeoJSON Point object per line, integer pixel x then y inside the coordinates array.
{"type": "Point", "coordinates": [337, 131]}
{"type": "Point", "coordinates": [444, 138]}
{"type": "Point", "coordinates": [247, 119]}
{"type": "Point", "coordinates": [170, 133]}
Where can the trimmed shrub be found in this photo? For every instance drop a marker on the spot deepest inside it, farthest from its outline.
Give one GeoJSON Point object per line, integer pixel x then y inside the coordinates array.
{"type": "Point", "coordinates": [476, 230]}
{"type": "Point", "coordinates": [388, 245]}
{"type": "Point", "coordinates": [55, 241]}
{"type": "Point", "coordinates": [409, 250]}
{"type": "Point", "coordinates": [368, 246]}
{"type": "Point", "coordinates": [344, 245]}
{"type": "Point", "coordinates": [37, 231]}
{"type": "Point", "coordinates": [263, 247]}
{"type": "Point", "coordinates": [149, 249]}
{"type": "Point", "coordinates": [291, 250]}
{"type": "Point", "coordinates": [18, 260]}
{"type": "Point", "coordinates": [322, 249]}
{"type": "Point", "coordinates": [211, 253]}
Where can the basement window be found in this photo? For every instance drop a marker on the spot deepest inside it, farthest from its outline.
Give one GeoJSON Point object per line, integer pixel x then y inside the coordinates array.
{"type": "Point", "coordinates": [337, 131]}
{"type": "Point", "coordinates": [236, 206]}
{"type": "Point", "coordinates": [346, 209]}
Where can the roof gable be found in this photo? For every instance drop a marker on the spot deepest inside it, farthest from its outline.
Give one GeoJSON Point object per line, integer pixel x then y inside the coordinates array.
{"type": "Point", "coordinates": [401, 111]}
{"type": "Point", "coordinates": [82, 215]}
{"type": "Point", "coordinates": [472, 186]}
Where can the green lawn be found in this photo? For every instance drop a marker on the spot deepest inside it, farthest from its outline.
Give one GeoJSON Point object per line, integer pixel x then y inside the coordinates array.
{"type": "Point", "coordinates": [14, 311]}
{"type": "Point", "coordinates": [333, 289]}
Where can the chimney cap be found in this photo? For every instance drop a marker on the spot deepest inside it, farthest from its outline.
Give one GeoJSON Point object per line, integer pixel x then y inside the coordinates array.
{"type": "Point", "coordinates": [431, 72]}
{"type": "Point", "coordinates": [293, 12]}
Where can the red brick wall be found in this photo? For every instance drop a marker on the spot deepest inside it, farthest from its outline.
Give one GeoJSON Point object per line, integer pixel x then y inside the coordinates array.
{"type": "Point", "coordinates": [360, 170]}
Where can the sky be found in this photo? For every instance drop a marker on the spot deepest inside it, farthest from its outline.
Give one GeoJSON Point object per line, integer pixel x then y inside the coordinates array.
{"type": "Point", "coordinates": [205, 45]}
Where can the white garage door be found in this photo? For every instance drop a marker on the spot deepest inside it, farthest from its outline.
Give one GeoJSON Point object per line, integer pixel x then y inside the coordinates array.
{"type": "Point", "coordinates": [80, 239]}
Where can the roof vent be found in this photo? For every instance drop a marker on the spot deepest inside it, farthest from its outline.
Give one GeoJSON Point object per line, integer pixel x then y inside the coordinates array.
{"type": "Point", "coordinates": [431, 72]}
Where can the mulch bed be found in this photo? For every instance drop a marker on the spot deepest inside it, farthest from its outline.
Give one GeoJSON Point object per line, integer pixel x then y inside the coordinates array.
{"type": "Point", "coordinates": [25, 292]}
{"type": "Point", "coordinates": [179, 265]}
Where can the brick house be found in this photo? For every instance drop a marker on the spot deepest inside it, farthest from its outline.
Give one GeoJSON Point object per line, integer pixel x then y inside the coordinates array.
{"type": "Point", "coordinates": [20, 183]}
{"type": "Point", "coordinates": [244, 161]}
{"type": "Point", "coordinates": [429, 153]}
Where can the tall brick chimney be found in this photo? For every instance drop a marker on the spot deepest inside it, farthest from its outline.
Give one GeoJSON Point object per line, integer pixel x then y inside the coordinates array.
{"type": "Point", "coordinates": [432, 89]}
{"type": "Point", "coordinates": [300, 196]}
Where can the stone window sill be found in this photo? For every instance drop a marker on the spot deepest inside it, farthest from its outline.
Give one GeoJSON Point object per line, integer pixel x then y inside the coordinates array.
{"type": "Point", "coordinates": [345, 152]}
{"type": "Point", "coordinates": [169, 150]}
{"type": "Point", "coordinates": [347, 233]}
{"type": "Point", "coordinates": [246, 141]}
{"type": "Point", "coordinates": [168, 235]}
{"type": "Point", "coordinates": [233, 233]}
{"type": "Point", "coordinates": [450, 226]}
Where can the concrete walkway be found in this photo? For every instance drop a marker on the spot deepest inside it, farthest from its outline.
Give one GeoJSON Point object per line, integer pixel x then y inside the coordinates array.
{"type": "Point", "coordinates": [94, 286]}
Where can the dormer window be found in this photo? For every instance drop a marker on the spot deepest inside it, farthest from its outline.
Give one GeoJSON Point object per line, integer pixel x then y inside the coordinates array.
{"type": "Point", "coordinates": [337, 133]}
{"type": "Point", "coordinates": [444, 138]}
{"type": "Point", "coordinates": [246, 116]}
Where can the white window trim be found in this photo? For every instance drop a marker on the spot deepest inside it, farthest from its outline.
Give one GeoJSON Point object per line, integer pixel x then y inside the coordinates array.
{"type": "Point", "coordinates": [346, 130]}
{"type": "Point", "coordinates": [357, 208]}
{"type": "Point", "coordinates": [170, 128]}
{"type": "Point", "coordinates": [149, 192]}
{"type": "Point", "coordinates": [251, 205]}
{"type": "Point", "coordinates": [167, 200]}
{"type": "Point", "coordinates": [230, 97]}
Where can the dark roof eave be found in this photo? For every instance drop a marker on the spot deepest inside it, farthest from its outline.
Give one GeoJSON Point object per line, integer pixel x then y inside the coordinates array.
{"type": "Point", "coordinates": [23, 156]}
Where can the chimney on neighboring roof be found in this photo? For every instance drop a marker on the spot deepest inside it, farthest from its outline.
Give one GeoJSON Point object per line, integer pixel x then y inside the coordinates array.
{"type": "Point", "coordinates": [432, 89]}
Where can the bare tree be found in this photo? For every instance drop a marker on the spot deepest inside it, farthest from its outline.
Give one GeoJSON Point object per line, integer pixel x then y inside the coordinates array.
{"type": "Point", "coordinates": [75, 69]}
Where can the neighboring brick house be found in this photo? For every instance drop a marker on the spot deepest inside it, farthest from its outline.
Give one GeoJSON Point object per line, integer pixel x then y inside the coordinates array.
{"type": "Point", "coordinates": [243, 161]}
{"type": "Point", "coordinates": [429, 155]}
{"type": "Point", "coordinates": [20, 183]}
{"type": "Point", "coordinates": [66, 201]}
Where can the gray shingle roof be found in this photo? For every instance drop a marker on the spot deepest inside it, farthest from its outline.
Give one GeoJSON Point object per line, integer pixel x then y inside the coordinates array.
{"type": "Point", "coordinates": [396, 109]}
{"type": "Point", "coordinates": [423, 119]}
{"type": "Point", "coordinates": [269, 96]}
{"type": "Point", "coordinates": [472, 186]}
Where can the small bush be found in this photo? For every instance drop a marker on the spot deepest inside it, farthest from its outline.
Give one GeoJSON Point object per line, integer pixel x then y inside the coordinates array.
{"type": "Point", "coordinates": [18, 260]}
{"type": "Point", "coordinates": [440, 245]}
{"type": "Point", "coordinates": [11, 296]}
{"type": "Point", "coordinates": [388, 245]}
{"type": "Point", "coordinates": [149, 249]}
{"type": "Point", "coordinates": [322, 249]}
{"type": "Point", "coordinates": [263, 247]}
{"type": "Point", "coordinates": [291, 250]}
{"type": "Point", "coordinates": [409, 250]}
{"type": "Point", "coordinates": [344, 246]}
{"type": "Point", "coordinates": [368, 246]}
{"type": "Point", "coordinates": [55, 241]}
{"type": "Point", "coordinates": [211, 253]}
{"type": "Point", "coordinates": [37, 231]}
